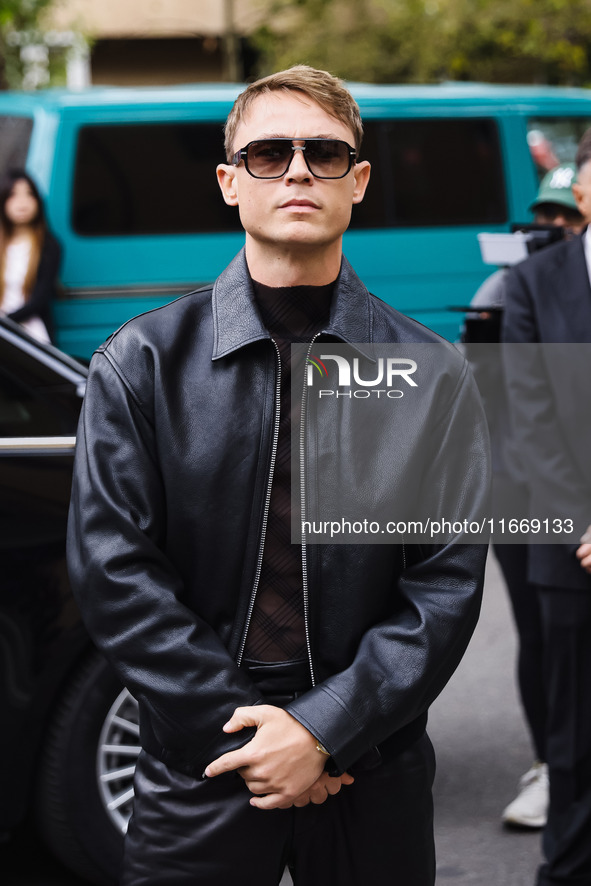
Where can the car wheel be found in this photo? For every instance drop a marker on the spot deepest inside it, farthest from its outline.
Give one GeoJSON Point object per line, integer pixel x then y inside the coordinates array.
{"type": "Point", "coordinates": [85, 789]}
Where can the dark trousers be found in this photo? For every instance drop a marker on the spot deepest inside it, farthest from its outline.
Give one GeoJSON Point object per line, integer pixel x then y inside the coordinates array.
{"type": "Point", "coordinates": [526, 606]}
{"type": "Point", "coordinates": [190, 831]}
{"type": "Point", "coordinates": [566, 617]}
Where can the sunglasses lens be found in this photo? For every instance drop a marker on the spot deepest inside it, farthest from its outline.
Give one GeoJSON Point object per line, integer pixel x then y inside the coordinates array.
{"type": "Point", "coordinates": [269, 159]}
{"type": "Point", "coordinates": [326, 157]}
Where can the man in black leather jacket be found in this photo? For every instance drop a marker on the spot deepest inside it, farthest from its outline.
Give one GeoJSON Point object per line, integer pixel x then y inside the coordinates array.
{"type": "Point", "coordinates": [283, 688]}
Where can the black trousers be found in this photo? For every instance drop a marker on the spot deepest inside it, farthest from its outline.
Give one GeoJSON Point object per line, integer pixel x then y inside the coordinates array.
{"type": "Point", "coordinates": [526, 606]}
{"type": "Point", "coordinates": [204, 832]}
{"type": "Point", "coordinates": [566, 616]}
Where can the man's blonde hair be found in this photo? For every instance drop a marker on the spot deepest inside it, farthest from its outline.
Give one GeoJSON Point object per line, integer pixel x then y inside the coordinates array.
{"type": "Point", "coordinates": [321, 87]}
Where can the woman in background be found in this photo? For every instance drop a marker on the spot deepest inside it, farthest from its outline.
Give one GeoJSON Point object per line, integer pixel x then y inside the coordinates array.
{"type": "Point", "coordinates": [29, 256]}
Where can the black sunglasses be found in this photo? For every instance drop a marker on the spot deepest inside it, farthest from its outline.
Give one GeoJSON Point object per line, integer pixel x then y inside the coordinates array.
{"type": "Point", "coordinates": [271, 157]}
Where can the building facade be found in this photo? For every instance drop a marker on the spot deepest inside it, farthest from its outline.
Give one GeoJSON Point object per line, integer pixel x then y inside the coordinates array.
{"type": "Point", "coordinates": [150, 42]}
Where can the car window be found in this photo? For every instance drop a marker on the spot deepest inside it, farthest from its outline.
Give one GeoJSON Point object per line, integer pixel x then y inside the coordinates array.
{"type": "Point", "coordinates": [34, 402]}
{"type": "Point", "coordinates": [372, 211]}
{"type": "Point", "coordinates": [150, 178]}
{"type": "Point", "coordinates": [554, 140]}
{"type": "Point", "coordinates": [159, 178]}
{"type": "Point", "coordinates": [15, 135]}
{"type": "Point", "coordinates": [433, 172]}
{"type": "Point", "coordinates": [23, 413]}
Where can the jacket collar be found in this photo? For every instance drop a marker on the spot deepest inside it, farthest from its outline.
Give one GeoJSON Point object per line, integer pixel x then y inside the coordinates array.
{"type": "Point", "coordinates": [237, 322]}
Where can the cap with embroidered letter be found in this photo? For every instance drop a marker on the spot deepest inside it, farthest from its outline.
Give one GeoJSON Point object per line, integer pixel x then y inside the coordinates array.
{"type": "Point", "coordinates": [556, 187]}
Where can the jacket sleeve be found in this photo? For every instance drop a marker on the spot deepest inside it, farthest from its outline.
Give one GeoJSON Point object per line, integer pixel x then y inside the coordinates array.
{"type": "Point", "coordinates": [39, 304]}
{"type": "Point", "coordinates": [403, 663]}
{"type": "Point", "coordinates": [129, 592]}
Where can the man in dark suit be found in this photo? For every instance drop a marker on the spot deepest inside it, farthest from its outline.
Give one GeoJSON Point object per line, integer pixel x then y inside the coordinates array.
{"type": "Point", "coordinates": [549, 308]}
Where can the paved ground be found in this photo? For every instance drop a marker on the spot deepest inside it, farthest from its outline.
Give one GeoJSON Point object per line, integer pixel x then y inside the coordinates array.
{"type": "Point", "coordinates": [481, 747]}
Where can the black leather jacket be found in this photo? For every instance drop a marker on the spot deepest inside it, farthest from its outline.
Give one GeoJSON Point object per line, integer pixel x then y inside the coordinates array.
{"type": "Point", "coordinates": [172, 470]}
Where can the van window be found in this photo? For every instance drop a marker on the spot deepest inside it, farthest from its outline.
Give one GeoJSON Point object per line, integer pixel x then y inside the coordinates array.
{"type": "Point", "coordinates": [15, 135]}
{"type": "Point", "coordinates": [156, 178]}
{"type": "Point", "coordinates": [432, 172]}
{"type": "Point", "coordinates": [159, 178]}
{"type": "Point", "coordinates": [554, 140]}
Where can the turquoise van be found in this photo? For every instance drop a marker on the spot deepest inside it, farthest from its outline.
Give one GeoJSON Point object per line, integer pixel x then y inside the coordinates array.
{"type": "Point", "coordinates": [129, 179]}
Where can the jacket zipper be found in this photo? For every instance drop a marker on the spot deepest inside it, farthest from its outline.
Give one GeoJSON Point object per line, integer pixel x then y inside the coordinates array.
{"type": "Point", "coordinates": [266, 509]}
{"type": "Point", "coordinates": [303, 513]}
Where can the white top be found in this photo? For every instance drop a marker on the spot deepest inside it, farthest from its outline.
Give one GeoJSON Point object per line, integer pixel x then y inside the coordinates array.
{"type": "Point", "coordinates": [587, 247]}
{"type": "Point", "coordinates": [15, 271]}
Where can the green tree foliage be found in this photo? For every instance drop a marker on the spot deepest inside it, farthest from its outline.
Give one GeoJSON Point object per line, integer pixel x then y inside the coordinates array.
{"type": "Point", "coordinates": [528, 41]}
{"type": "Point", "coordinates": [20, 26]}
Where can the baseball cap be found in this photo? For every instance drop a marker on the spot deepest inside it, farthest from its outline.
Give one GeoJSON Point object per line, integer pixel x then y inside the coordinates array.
{"type": "Point", "coordinates": [556, 187]}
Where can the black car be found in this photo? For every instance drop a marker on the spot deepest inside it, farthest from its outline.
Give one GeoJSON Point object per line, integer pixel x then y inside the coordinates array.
{"type": "Point", "coordinates": [69, 733]}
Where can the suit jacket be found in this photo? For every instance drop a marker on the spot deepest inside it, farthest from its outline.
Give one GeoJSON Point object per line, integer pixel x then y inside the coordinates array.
{"type": "Point", "coordinates": [548, 308]}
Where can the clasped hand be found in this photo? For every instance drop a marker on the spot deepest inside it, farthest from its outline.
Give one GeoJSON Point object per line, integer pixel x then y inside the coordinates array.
{"type": "Point", "coordinates": [584, 551]}
{"type": "Point", "coordinates": [281, 765]}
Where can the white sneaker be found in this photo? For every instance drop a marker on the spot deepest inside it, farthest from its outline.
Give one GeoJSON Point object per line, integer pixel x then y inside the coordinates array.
{"type": "Point", "coordinates": [530, 808]}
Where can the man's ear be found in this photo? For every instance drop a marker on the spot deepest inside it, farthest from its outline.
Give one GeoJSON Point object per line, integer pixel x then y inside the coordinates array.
{"type": "Point", "coordinates": [579, 195]}
{"type": "Point", "coordinates": [361, 173]}
{"type": "Point", "coordinates": [226, 179]}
